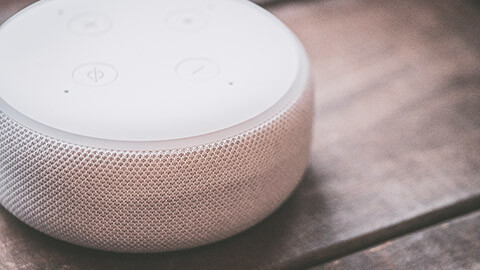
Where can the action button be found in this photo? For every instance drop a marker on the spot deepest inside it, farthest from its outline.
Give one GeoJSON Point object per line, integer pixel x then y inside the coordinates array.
{"type": "Point", "coordinates": [187, 20]}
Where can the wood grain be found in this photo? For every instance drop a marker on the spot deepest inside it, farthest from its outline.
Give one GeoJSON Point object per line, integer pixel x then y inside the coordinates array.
{"type": "Point", "coordinates": [396, 142]}
{"type": "Point", "coordinates": [452, 245]}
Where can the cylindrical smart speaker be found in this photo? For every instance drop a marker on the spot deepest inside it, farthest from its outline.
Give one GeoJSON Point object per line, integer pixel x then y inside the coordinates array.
{"type": "Point", "coordinates": [152, 125]}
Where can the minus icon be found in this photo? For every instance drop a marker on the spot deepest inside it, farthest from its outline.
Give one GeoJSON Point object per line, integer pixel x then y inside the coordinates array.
{"type": "Point", "coordinates": [198, 70]}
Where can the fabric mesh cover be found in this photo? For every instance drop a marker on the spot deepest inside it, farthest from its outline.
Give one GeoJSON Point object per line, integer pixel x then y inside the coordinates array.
{"type": "Point", "coordinates": [140, 201]}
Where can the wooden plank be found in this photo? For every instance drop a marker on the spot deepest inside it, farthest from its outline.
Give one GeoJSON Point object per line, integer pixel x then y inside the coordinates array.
{"type": "Point", "coordinates": [452, 245]}
{"type": "Point", "coordinates": [10, 7]}
{"type": "Point", "coordinates": [396, 142]}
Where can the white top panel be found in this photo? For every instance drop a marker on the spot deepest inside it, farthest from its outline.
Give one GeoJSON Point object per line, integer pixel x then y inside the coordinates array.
{"type": "Point", "coordinates": [146, 70]}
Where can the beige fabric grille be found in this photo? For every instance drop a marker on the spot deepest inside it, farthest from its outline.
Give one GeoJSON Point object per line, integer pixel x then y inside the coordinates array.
{"type": "Point", "coordinates": [134, 201]}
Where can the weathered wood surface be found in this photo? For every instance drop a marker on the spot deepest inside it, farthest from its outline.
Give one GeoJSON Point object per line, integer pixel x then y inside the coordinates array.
{"type": "Point", "coordinates": [396, 141]}
{"type": "Point", "coordinates": [452, 245]}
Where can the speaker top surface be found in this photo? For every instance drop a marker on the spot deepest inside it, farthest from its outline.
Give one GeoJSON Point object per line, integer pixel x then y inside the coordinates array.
{"type": "Point", "coordinates": [148, 70]}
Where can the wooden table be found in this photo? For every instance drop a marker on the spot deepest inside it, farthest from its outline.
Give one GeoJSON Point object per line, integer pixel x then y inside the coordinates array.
{"type": "Point", "coordinates": [394, 180]}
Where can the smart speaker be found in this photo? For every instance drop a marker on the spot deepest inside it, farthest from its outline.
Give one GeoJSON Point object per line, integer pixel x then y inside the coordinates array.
{"type": "Point", "coordinates": [153, 125]}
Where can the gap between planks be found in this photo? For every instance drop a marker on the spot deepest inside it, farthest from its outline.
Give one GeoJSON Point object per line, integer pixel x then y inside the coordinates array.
{"type": "Point", "coordinates": [374, 238]}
